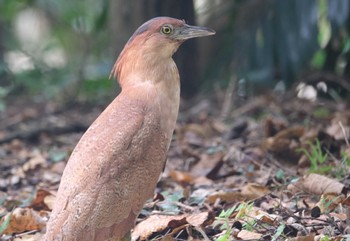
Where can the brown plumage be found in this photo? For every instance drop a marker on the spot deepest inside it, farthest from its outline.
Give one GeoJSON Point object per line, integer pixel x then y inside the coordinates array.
{"type": "Point", "coordinates": [115, 166]}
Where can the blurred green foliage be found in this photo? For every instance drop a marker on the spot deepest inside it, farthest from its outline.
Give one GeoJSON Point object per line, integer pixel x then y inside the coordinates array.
{"type": "Point", "coordinates": [68, 53]}
{"type": "Point", "coordinates": [63, 49]}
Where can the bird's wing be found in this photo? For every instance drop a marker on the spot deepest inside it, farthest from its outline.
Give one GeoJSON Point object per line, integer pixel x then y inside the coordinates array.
{"type": "Point", "coordinates": [109, 156]}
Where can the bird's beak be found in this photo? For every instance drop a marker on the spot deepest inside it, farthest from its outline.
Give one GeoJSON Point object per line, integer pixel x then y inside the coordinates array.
{"type": "Point", "coordinates": [188, 31]}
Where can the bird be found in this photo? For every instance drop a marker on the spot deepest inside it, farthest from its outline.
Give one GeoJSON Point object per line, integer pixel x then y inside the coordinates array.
{"type": "Point", "coordinates": [114, 168]}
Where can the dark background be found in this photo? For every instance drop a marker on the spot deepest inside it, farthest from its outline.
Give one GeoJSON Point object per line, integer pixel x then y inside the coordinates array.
{"type": "Point", "coordinates": [64, 50]}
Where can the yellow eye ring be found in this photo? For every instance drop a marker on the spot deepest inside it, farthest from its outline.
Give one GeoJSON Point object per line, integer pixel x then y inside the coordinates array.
{"type": "Point", "coordinates": [167, 29]}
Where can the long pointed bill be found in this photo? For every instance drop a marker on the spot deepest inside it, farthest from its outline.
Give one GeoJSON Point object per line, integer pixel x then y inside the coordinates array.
{"type": "Point", "coordinates": [188, 31]}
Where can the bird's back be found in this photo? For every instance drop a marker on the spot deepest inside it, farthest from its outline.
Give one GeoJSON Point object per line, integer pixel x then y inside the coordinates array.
{"type": "Point", "coordinates": [111, 173]}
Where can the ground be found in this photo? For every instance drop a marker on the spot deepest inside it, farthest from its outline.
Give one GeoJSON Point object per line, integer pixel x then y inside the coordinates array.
{"type": "Point", "coordinates": [271, 168]}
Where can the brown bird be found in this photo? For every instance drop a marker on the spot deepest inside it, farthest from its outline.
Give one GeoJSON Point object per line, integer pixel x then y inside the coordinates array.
{"type": "Point", "coordinates": [115, 166]}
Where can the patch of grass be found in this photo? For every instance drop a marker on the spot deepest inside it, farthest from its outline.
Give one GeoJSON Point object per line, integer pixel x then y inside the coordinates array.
{"type": "Point", "coordinates": [244, 209]}
{"type": "Point", "coordinates": [316, 156]}
{"type": "Point", "coordinates": [325, 238]}
{"type": "Point", "coordinates": [224, 220]}
{"type": "Point", "coordinates": [321, 112]}
{"type": "Point", "coordinates": [327, 203]}
{"type": "Point", "coordinates": [343, 169]}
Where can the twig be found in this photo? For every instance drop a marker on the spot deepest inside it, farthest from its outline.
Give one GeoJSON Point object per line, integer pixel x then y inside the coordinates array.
{"type": "Point", "coordinates": [227, 103]}
{"type": "Point", "coordinates": [204, 235]}
{"type": "Point", "coordinates": [184, 206]}
{"type": "Point", "coordinates": [344, 133]}
{"type": "Point", "coordinates": [25, 233]}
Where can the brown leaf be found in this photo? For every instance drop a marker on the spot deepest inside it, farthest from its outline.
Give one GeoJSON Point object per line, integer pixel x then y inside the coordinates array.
{"type": "Point", "coordinates": [199, 181]}
{"type": "Point", "coordinates": [181, 177]}
{"type": "Point", "coordinates": [339, 216]}
{"type": "Point", "coordinates": [225, 197]}
{"type": "Point", "coordinates": [36, 160]}
{"type": "Point", "coordinates": [310, 237]}
{"type": "Point", "coordinates": [153, 224]}
{"type": "Point", "coordinates": [23, 219]}
{"type": "Point", "coordinates": [193, 134]}
{"type": "Point", "coordinates": [284, 143]}
{"type": "Point", "coordinates": [29, 237]}
{"type": "Point", "coordinates": [160, 223]}
{"type": "Point", "coordinates": [255, 213]}
{"type": "Point", "coordinates": [346, 201]}
{"type": "Point", "coordinates": [39, 201]}
{"type": "Point", "coordinates": [290, 133]}
{"type": "Point", "coordinates": [252, 191]}
{"type": "Point", "coordinates": [267, 218]}
{"type": "Point", "coordinates": [208, 164]}
{"type": "Point", "coordinates": [329, 201]}
{"type": "Point", "coordinates": [316, 184]}
{"type": "Point", "coordinates": [339, 128]}
{"type": "Point", "coordinates": [200, 219]}
{"type": "Point", "coordinates": [273, 125]}
{"type": "Point", "coordinates": [282, 139]}
{"type": "Point", "coordinates": [276, 145]}
{"type": "Point", "coordinates": [247, 235]}
{"type": "Point", "coordinates": [335, 238]}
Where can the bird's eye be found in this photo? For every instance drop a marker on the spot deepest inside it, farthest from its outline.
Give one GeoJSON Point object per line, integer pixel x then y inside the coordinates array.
{"type": "Point", "coordinates": [167, 29]}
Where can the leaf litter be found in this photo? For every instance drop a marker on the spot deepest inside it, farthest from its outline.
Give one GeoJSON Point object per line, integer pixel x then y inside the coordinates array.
{"type": "Point", "coordinates": [272, 169]}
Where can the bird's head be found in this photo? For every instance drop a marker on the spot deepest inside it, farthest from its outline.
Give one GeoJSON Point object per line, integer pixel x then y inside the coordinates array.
{"type": "Point", "coordinates": [164, 34]}
{"type": "Point", "coordinates": [158, 39]}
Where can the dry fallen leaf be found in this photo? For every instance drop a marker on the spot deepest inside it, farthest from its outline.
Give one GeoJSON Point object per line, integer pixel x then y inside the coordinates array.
{"type": "Point", "coordinates": [326, 237]}
{"type": "Point", "coordinates": [254, 213]}
{"type": "Point", "coordinates": [310, 237]}
{"type": "Point", "coordinates": [316, 184]}
{"type": "Point", "coordinates": [253, 191]}
{"type": "Point", "coordinates": [346, 201]}
{"type": "Point", "coordinates": [284, 143]}
{"type": "Point", "coordinates": [36, 160]}
{"type": "Point", "coordinates": [329, 201]}
{"type": "Point", "coordinates": [247, 235]}
{"type": "Point", "coordinates": [208, 164]}
{"type": "Point", "coordinates": [339, 128]}
{"type": "Point", "coordinates": [339, 216]}
{"type": "Point", "coordinates": [29, 237]}
{"type": "Point", "coordinates": [23, 219]}
{"type": "Point", "coordinates": [281, 140]}
{"type": "Point", "coordinates": [200, 219]}
{"type": "Point", "coordinates": [181, 177]}
{"type": "Point", "coordinates": [160, 223]}
{"type": "Point", "coordinates": [41, 201]}
{"type": "Point", "coordinates": [200, 181]}
{"type": "Point", "coordinates": [225, 197]}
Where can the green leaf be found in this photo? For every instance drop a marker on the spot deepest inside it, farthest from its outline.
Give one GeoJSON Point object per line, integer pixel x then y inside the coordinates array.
{"type": "Point", "coordinates": [5, 224]}
{"type": "Point", "coordinates": [225, 236]}
{"type": "Point", "coordinates": [279, 231]}
{"type": "Point", "coordinates": [321, 112]}
{"type": "Point", "coordinates": [3, 199]}
{"type": "Point", "coordinates": [280, 174]}
{"type": "Point", "coordinates": [169, 204]}
{"type": "Point", "coordinates": [318, 59]}
{"type": "Point", "coordinates": [324, 26]}
{"type": "Point", "coordinates": [346, 46]}
{"type": "Point", "coordinates": [57, 156]}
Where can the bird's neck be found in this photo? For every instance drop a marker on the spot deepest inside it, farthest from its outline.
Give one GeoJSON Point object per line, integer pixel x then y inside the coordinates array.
{"type": "Point", "coordinates": [155, 81]}
{"type": "Point", "coordinates": [144, 64]}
